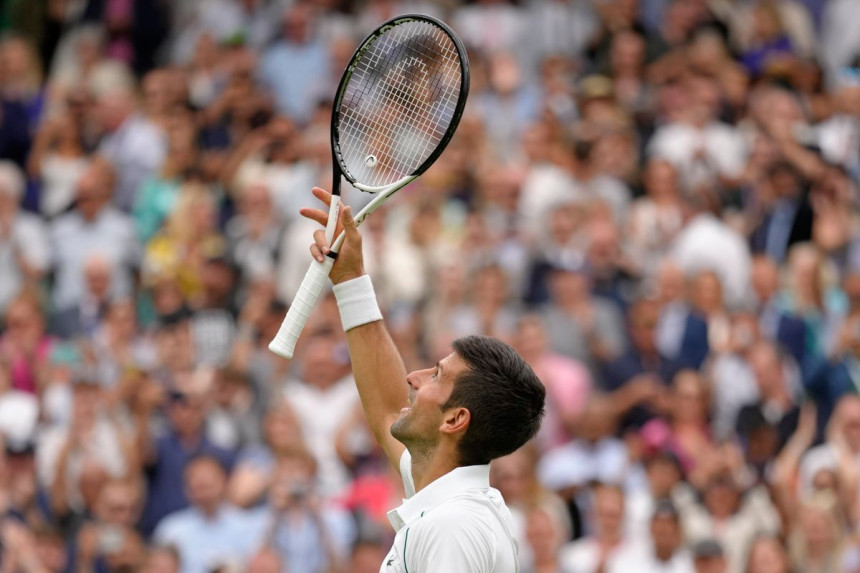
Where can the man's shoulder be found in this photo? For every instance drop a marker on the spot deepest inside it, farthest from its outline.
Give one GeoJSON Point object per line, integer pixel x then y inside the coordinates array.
{"type": "Point", "coordinates": [175, 524]}
{"type": "Point", "coordinates": [478, 512]}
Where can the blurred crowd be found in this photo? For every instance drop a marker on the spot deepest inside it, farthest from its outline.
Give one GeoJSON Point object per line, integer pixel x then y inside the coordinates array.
{"type": "Point", "coordinates": [654, 201]}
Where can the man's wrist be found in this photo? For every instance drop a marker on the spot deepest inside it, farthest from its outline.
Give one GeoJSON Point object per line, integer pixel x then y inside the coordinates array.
{"type": "Point", "coordinates": [356, 301]}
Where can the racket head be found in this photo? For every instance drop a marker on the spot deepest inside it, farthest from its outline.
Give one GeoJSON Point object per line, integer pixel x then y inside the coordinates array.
{"type": "Point", "coordinates": [399, 102]}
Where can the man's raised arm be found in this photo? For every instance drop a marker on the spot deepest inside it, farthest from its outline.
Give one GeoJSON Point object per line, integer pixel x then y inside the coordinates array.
{"type": "Point", "coordinates": [376, 364]}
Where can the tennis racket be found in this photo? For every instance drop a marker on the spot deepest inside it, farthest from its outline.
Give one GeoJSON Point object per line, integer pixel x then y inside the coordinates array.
{"type": "Point", "coordinates": [397, 105]}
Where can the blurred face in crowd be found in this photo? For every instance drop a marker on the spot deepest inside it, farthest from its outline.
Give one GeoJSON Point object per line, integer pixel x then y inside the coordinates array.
{"type": "Point", "coordinates": [118, 503]}
{"type": "Point", "coordinates": [94, 189]}
{"type": "Point", "coordinates": [297, 23]}
{"type": "Point", "coordinates": [87, 399]}
{"type": "Point", "coordinates": [666, 533]}
{"type": "Point", "coordinates": [602, 247]}
{"type": "Point", "coordinates": [690, 399]}
{"type": "Point", "coordinates": [644, 316]}
{"type": "Point", "coordinates": [491, 286]}
{"type": "Point", "coordinates": [97, 277]}
{"type": "Point", "coordinates": [627, 52]}
{"type": "Point", "coordinates": [597, 420]}
{"type": "Point", "coordinates": [122, 319]}
{"type": "Point", "coordinates": [661, 180]}
{"type": "Point", "coordinates": [765, 278]}
{"type": "Point", "coordinates": [819, 527]}
{"type": "Point", "coordinates": [847, 415]}
{"type": "Point", "coordinates": [704, 98]}
{"type": "Point", "coordinates": [544, 534]}
{"type": "Point", "coordinates": [766, 366]}
{"type": "Point", "coordinates": [722, 497]}
{"type": "Point", "coordinates": [663, 475]}
{"type": "Point", "coordinates": [157, 92]}
{"type": "Point", "coordinates": [767, 555]}
{"type": "Point", "coordinates": [206, 483]}
{"type": "Point", "coordinates": [281, 427]}
{"type": "Point", "coordinates": [51, 550]}
{"type": "Point", "coordinates": [707, 293]}
{"type": "Point", "coordinates": [563, 224]}
{"type": "Point", "coordinates": [512, 476]}
{"type": "Point", "coordinates": [530, 338]}
{"type": "Point", "coordinates": [785, 182]}
{"type": "Point", "coordinates": [609, 512]}
{"type": "Point", "coordinates": [24, 323]}
{"type": "Point", "coordinates": [570, 287]}
{"type": "Point", "coordinates": [323, 364]}
{"type": "Point", "coordinates": [186, 413]}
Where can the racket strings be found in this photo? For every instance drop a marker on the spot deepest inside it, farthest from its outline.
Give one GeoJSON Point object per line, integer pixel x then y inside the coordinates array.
{"type": "Point", "coordinates": [407, 106]}
{"type": "Point", "coordinates": [398, 103]}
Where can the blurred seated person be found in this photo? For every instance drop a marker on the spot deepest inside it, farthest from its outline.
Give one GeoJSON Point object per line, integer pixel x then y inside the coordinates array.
{"type": "Point", "coordinates": [642, 372]}
{"type": "Point", "coordinates": [308, 533]}
{"type": "Point", "coordinates": [778, 386]}
{"type": "Point", "coordinates": [664, 552]}
{"type": "Point", "coordinates": [568, 382]}
{"type": "Point", "coordinates": [256, 463]}
{"type": "Point", "coordinates": [729, 514]}
{"type": "Point", "coordinates": [580, 325]}
{"type": "Point", "coordinates": [547, 529]}
{"type": "Point", "coordinates": [775, 322]}
{"type": "Point", "coordinates": [109, 540]}
{"type": "Point", "coordinates": [685, 431]}
{"type": "Point", "coordinates": [605, 519]}
{"type": "Point", "coordinates": [166, 456]}
{"type": "Point", "coordinates": [84, 318]}
{"type": "Point", "coordinates": [210, 532]}
{"type": "Point", "coordinates": [25, 347]}
{"type": "Point", "coordinates": [74, 461]}
{"type": "Point", "coordinates": [595, 455]}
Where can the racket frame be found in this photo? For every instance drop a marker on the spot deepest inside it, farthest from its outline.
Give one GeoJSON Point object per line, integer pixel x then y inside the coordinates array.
{"type": "Point", "coordinates": [315, 279]}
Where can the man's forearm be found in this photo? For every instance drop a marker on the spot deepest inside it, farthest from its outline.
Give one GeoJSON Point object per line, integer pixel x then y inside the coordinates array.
{"type": "Point", "coordinates": [379, 375]}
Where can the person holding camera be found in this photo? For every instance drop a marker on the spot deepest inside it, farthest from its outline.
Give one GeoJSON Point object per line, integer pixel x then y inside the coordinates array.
{"type": "Point", "coordinates": [306, 533]}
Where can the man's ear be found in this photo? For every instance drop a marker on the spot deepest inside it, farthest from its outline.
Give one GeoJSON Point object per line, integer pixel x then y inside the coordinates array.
{"type": "Point", "coordinates": [455, 421]}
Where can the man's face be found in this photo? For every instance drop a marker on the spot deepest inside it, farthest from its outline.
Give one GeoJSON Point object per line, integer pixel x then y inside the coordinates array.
{"type": "Point", "coordinates": [666, 534]}
{"type": "Point", "coordinates": [117, 504]}
{"type": "Point", "coordinates": [609, 512]}
{"type": "Point", "coordinates": [421, 419]}
{"type": "Point", "coordinates": [206, 484]}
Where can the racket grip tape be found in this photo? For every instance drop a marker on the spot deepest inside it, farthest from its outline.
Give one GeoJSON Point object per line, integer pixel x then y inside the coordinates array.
{"type": "Point", "coordinates": [284, 343]}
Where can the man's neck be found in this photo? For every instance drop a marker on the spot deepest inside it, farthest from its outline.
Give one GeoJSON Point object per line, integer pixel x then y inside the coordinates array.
{"type": "Point", "coordinates": [429, 465]}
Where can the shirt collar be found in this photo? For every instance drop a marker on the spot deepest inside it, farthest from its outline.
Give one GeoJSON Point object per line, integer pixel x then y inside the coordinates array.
{"type": "Point", "coordinates": [456, 481]}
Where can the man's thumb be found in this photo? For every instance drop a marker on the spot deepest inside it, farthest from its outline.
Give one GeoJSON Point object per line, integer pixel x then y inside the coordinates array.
{"type": "Point", "coordinates": [349, 224]}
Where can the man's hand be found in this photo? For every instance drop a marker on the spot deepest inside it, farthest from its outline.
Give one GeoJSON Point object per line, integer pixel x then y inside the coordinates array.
{"type": "Point", "coordinates": [349, 263]}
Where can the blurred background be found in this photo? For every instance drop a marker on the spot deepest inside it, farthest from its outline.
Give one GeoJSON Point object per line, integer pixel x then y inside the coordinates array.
{"type": "Point", "coordinates": [654, 201]}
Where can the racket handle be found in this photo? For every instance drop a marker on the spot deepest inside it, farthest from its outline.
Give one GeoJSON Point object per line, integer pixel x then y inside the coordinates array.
{"type": "Point", "coordinates": [312, 285]}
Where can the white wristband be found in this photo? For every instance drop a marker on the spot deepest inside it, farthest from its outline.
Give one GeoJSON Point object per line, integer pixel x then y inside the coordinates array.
{"type": "Point", "coordinates": [356, 301]}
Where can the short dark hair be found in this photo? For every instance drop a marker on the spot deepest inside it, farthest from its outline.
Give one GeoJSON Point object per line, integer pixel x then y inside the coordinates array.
{"type": "Point", "coordinates": [504, 396]}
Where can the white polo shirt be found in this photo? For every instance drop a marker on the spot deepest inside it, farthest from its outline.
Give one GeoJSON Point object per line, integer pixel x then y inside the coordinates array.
{"type": "Point", "coordinates": [457, 524]}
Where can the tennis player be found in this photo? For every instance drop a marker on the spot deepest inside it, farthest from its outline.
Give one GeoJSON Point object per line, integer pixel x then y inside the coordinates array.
{"type": "Point", "coordinates": [440, 426]}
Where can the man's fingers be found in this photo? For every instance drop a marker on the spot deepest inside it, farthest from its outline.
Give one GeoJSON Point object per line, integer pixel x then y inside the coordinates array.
{"type": "Point", "coordinates": [322, 195]}
{"type": "Point", "coordinates": [317, 215]}
{"type": "Point", "coordinates": [320, 241]}
{"type": "Point", "coordinates": [317, 253]}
